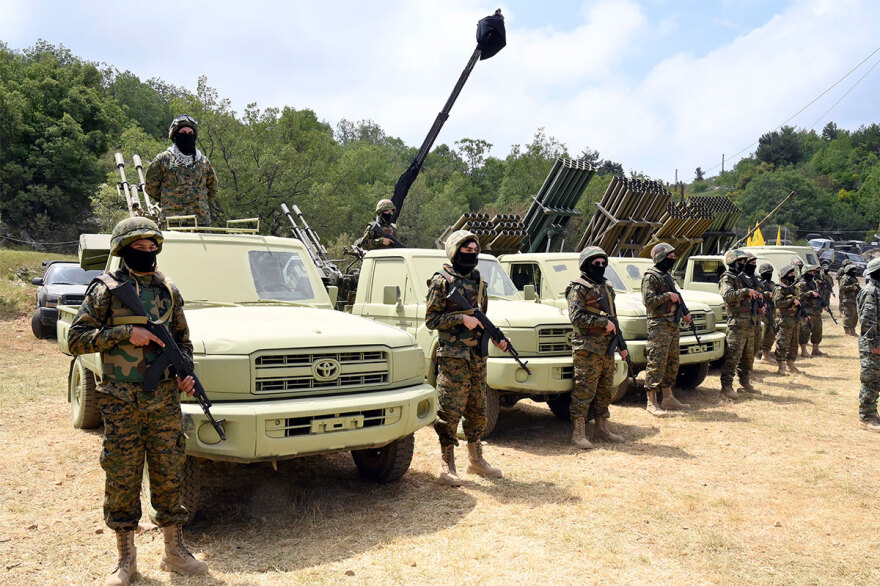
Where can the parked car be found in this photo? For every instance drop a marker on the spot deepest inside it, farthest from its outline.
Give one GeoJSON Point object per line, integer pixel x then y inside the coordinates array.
{"type": "Point", "coordinates": [821, 243]}
{"type": "Point", "coordinates": [62, 283]}
{"type": "Point", "coordinates": [858, 260]}
{"type": "Point", "coordinates": [832, 259]}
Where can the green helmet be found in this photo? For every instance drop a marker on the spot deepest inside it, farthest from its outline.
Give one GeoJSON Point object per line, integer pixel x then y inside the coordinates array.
{"type": "Point", "coordinates": [180, 122]}
{"type": "Point", "coordinates": [385, 205]}
{"type": "Point", "coordinates": [750, 257]}
{"type": "Point", "coordinates": [661, 251]}
{"type": "Point", "coordinates": [734, 255]}
{"type": "Point", "coordinates": [456, 239]}
{"type": "Point", "coordinates": [809, 268]}
{"type": "Point", "coordinates": [765, 266]}
{"type": "Point", "coordinates": [796, 261]}
{"type": "Point", "coordinates": [786, 271]}
{"type": "Point", "coordinates": [131, 229]}
{"type": "Point", "coordinates": [873, 266]}
{"type": "Point", "coordinates": [589, 253]}
{"type": "Point", "coordinates": [846, 262]}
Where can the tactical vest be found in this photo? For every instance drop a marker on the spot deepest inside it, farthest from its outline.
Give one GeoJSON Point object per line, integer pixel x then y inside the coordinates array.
{"type": "Point", "coordinates": [743, 305]}
{"type": "Point", "coordinates": [667, 307]}
{"type": "Point", "coordinates": [788, 292]}
{"type": "Point", "coordinates": [127, 363]}
{"type": "Point", "coordinates": [473, 291]}
{"type": "Point", "coordinates": [593, 305]}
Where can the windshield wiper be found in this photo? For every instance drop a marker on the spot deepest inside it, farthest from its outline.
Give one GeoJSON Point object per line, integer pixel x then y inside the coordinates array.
{"type": "Point", "coordinates": [272, 302]}
{"type": "Point", "coordinates": [207, 302]}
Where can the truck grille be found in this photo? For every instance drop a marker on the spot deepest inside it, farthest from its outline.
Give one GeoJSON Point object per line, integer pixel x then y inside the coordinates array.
{"type": "Point", "coordinates": [71, 299]}
{"type": "Point", "coordinates": [701, 321]}
{"type": "Point", "coordinates": [555, 340]}
{"type": "Point", "coordinates": [319, 372]}
{"type": "Point", "coordinates": [332, 422]}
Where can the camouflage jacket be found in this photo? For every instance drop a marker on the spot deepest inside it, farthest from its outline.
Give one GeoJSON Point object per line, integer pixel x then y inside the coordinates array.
{"type": "Point", "coordinates": [784, 297]}
{"type": "Point", "coordinates": [182, 190]}
{"type": "Point", "coordinates": [849, 288]}
{"type": "Point", "coordinates": [100, 326]}
{"type": "Point", "coordinates": [587, 316]}
{"type": "Point", "coordinates": [447, 318]}
{"type": "Point", "coordinates": [370, 242]}
{"type": "Point", "coordinates": [656, 294]}
{"type": "Point", "coordinates": [826, 286]}
{"type": "Point", "coordinates": [735, 292]}
{"type": "Point", "coordinates": [867, 303]}
{"type": "Point", "coordinates": [804, 292]}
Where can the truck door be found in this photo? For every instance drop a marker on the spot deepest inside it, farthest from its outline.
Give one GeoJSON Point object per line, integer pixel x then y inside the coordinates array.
{"type": "Point", "coordinates": [403, 313]}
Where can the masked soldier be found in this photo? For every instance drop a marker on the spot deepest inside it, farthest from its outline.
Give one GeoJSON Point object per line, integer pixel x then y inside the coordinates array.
{"type": "Point", "coordinates": [738, 353]}
{"type": "Point", "coordinates": [766, 286]}
{"type": "Point", "coordinates": [139, 425]}
{"type": "Point", "coordinates": [798, 265]}
{"type": "Point", "coordinates": [181, 179]}
{"type": "Point", "coordinates": [842, 269]}
{"type": "Point", "coordinates": [787, 323]}
{"type": "Point", "coordinates": [750, 279]}
{"type": "Point", "coordinates": [849, 291]}
{"type": "Point", "coordinates": [825, 283]}
{"type": "Point", "coordinates": [808, 293]}
{"type": "Point", "coordinates": [869, 348]}
{"type": "Point", "coordinates": [590, 307]}
{"type": "Point", "coordinates": [380, 232]}
{"type": "Point", "coordinates": [663, 334]}
{"type": "Point", "coordinates": [461, 371]}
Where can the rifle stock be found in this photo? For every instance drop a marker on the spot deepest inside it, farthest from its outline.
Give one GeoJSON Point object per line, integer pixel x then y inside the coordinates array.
{"type": "Point", "coordinates": [377, 232]}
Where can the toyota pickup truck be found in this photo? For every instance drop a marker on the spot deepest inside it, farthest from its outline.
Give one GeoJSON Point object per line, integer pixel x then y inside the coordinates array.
{"type": "Point", "coordinates": [393, 287]}
{"type": "Point", "coordinates": [704, 271]}
{"type": "Point", "coordinates": [290, 375]}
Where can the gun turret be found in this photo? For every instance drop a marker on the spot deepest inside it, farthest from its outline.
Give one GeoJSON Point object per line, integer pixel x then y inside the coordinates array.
{"type": "Point", "coordinates": [129, 191]}
{"type": "Point", "coordinates": [316, 250]}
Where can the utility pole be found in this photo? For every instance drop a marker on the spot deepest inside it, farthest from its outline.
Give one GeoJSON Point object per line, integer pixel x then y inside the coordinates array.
{"type": "Point", "coordinates": [722, 163]}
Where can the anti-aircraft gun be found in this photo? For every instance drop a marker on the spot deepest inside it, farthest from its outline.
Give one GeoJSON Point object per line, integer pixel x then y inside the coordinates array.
{"type": "Point", "coordinates": [129, 191]}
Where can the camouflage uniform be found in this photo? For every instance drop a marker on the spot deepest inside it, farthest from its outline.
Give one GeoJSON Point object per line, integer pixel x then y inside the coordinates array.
{"type": "Point", "coordinates": [663, 332]}
{"type": "Point", "coordinates": [369, 241]}
{"type": "Point", "coordinates": [849, 289]}
{"type": "Point", "coordinates": [753, 282]}
{"type": "Point", "coordinates": [787, 325]}
{"type": "Point", "coordinates": [826, 285]}
{"type": "Point", "coordinates": [869, 317]}
{"type": "Point", "coordinates": [137, 424]}
{"type": "Point", "coordinates": [767, 287]}
{"type": "Point", "coordinates": [739, 352]}
{"type": "Point", "coordinates": [811, 332]}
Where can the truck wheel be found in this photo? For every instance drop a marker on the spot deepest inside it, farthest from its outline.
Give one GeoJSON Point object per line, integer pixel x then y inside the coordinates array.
{"type": "Point", "coordinates": [385, 464]}
{"type": "Point", "coordinates": [190, 488]}
{"type": "Point", "coordinates": [493, 405]}
{"type": "Point", "coordinates": [692, 375]}
{"type": "Point", "coordinates": [83, 396]}
{"type": "Point", "coordinates": [560, 405]}
{"type": "Point", "coordinates": [37, 327]}
{"type": "Point", "coordinates": [622, 389]}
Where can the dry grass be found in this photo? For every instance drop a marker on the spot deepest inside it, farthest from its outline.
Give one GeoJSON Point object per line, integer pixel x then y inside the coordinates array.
{"type": "Point", "coordinates": [17, 268]}
{"type": "Point", "coordinates": [777, 489]}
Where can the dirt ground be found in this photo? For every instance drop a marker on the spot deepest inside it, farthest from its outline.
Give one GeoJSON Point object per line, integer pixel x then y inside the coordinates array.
{"type": "Point", "coordinates": [779, 488]}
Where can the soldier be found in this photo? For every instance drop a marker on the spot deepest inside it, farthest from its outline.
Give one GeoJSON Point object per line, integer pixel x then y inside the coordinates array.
{"type": "Point", "coordinates": [767, 286]}
{"type": "Point", "coordinates": [842, 270]}
{"type": "Point", "coordinates": [383, 224]}
{"type": "Point", "coordinates": [661, 303]}
{"type": "Point", "coordinates": [787, 325]}
{"type": "Point", "coordinates": [461, 371]}
{"type": "Point", "coordinates": [869, 348]}
{"type": "Point", "coordinates": [798, 265]}
{"type": "Point", "coordinates": [808, 293]}
{"type": "Point", "coordinates": [825, 283]}
{"type": "Point", "coordinates": [181, 179]}
{"type": "Point", "coordinates": [738, 353]}
{"type": "Point", "coordinates": [588, 299]}
{"type": "Point", "coordinates": [751, 281]}
{"type": "Point", "coordinates": [138, 424]}
{"type": "Point", "coordinates": [849, 290]}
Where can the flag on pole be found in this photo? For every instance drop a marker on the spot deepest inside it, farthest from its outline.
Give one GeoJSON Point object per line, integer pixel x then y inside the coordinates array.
{"type": "Point", "coordinates": [758, 239]}
{"type": "Point", "coordinates": [779, 236]}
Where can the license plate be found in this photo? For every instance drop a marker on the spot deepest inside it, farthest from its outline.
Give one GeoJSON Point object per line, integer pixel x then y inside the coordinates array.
{"type": "Point", "coordinates": [337, 424]}
{"type": "Point", "coordinates": [697, 348]}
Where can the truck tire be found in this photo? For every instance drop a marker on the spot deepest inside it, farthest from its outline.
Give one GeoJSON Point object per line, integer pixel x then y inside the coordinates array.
{"type": "Point", "coordinates": [622, 389]}
{"type": "Point", "coordinates": [385, 464]}
{"type": "Point", "coordinates": [691, 376]}
{"type": "Point", "coordinates": [83, 396]}
{"type": "Point", "coordinates": [190, 488]}
{"type": "Point", "coordinates": [559, 405]}
{"type": "Point", "coordinates": [493, 405]}
{"type": "Point", "coordinates": [37, 327]}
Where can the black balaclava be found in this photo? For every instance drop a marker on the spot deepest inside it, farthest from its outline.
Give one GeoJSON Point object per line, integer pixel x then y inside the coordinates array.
{"type": "Point", "coordinates": [465, 262]}
{"type": "Point", "coordinates": [593, 272]}
{"type": "Point", "coordinates": [767, 275]}
{"type": "Point", "coordinates": [186, 142]}
{"type": "Point", "coordinates": [808, 277]}
{"type": "Point", "coordinates": [751, 267]}
{"type": "Point", "coordinates": [737, 267]}
{"type": "Point", "coordinates": [787, 279]}
{"type": "Point", "coordinates": [139, 260]}
{"type": "Point", "coordinates": [665, 264]}
{"type": "Point", "coordinates": [386, 217]}
{"type": "Point", "coordinates": [875, 275]}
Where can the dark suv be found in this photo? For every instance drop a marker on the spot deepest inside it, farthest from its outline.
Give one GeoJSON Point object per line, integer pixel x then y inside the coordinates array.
{"type": "Point", "coordinates": [63, 282]}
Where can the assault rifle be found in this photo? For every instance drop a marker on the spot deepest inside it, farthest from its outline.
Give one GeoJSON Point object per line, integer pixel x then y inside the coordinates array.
{"type": "Point", "coordinates": [682, 309]}
{"type": "Point", "coordinates": [771, 310]}
{"type": "Point", "coordinates": [617, 343]}
{"type": "Point", "coordinates": [170, 355]}
{"type": "Point", "coordinates": [825, 306]}
{"type": "Point", "coordinates": [802, 314]}
{"type": "Point", "coordinates": [490, 330]}
{"type": "Point", "coordinates": [377, 232]}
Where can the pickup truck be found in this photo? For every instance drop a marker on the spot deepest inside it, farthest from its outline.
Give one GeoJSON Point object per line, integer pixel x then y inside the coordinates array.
{"type": "Point", "coordinates": [392, 289]}
{"type": "Point", "coordinates": [550, 273]}
{"type": "Point", "coordinates": [703, 271]}
{"type": "Point", "coordinates": [290, 375]}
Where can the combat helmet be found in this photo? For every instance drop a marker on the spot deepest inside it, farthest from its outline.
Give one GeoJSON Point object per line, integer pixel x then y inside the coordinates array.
{"type": "Point", "coordinates": [661, 251]}
{"type": "Point", "coordinates": [765, 266]}
{"type": "Point", "coordinates": [796, 261]}
{"type": "Point", "coordinates": [456, 239]}
{"type": "Point", "coordinates": [873, 266]}
{"type": "Point", "coordinates": [846, 262]}
{"type": "Point", "coordinates": [384, 205]}
{"type": "Point", "coordinates": [132, 229]}
{"type": "Point", "coordinates": [787, 270]}
{"type": "Point", "coordinates": [807, 268]}
{"type": "Point", "coordinates": [180, 122]}
{"type": "Point", "coordinates": [589, 253]}
{"type": "Point", "coordinates": [734, 255]}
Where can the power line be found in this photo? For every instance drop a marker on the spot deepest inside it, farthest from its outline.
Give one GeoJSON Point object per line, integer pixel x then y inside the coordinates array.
{"type": "Point", "coordinates": [876, 63]}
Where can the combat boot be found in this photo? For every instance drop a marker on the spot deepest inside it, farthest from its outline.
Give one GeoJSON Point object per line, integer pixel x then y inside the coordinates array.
{"type": "Point", "coordinates": [477, 464]}
{"type": "Point", "coordinates": [871, 423]}
{"type": "Point", "coordinates": [126, 568]}
{"type": "Point", "coordinates": [176, 557]}
{"type": "Point", "coordinates": [817, 352]}
{"type": "Point", "coordinates": [670, 403]}
{"type": "Point", "coordinates": [448, 475]}
{"type": "Point", "coordinates": [601, 432]}
{"type": "Point", "coordinates": [653, 406]}
{"type": "Point", "coordinates": [759, 378]}
{"type": "Point", "coordinates": [781, 368]}
{"type": "Point", "coordinates": [852, 332]}
{"type": "Point", "coordinates": [804, 352]}
{"type": "Point", "coordinates": [579, 434]}
{"type": "Point", "coordinates": [727, 391]}
{"type": "Point", "coordinates": [748, 388]}
{"type": "Point", "coordinates": [766, 358]}
{"type": "Point", "coordinates": [792, 368]}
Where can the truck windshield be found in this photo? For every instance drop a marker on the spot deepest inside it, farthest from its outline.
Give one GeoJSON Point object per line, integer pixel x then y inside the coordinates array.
{"type": "Point", "coordinates": [498, 283]}
{"type": "Point", "coordinates": [70, 274]}
{"type": "Point", "coordinates": [280, 275]}
{"type": "Point", "coordinates": [630, 271]}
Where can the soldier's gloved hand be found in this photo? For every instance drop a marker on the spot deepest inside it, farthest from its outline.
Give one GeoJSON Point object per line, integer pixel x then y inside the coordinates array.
{"type": "Point", "coordinates": [186, 385]}
{"type": "Point", "coordinates": [141, 336]}
{"type": "Point", "coordinates": [609, 328]}
{"type": "Point", "coordinates": [623, 354]}
{"type": "Point", "coordinates": [470, 322]}
{"type": "Point", "coordinates": [502, 345]}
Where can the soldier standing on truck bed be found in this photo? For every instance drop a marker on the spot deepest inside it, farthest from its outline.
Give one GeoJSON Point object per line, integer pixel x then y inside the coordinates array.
{"type": "Point", "coordinates": [849, 291]}
{"type": "Point", "coordinates": [662, 302]}
{"type": "Point", "coordinates": [740, 321]}
{"type": "Point", "coordinates": [139, 425]}
{"type": "Point", "coordinates": [787, 322]}
{"type": "Point", "coordinates": [869, 348]}
{"type": "Point", "coordinates": [809, 295]}
{"type": "Point", "coordinates": [461, 371]}
{"type": "Point", "coordinates": [379, 233]}
{"type": "Point", "coordinates": [181, 179]}
{"type": "Point", "coordinates": [767, 286]}
{"type": "Point", "coordinates": [593, 331]}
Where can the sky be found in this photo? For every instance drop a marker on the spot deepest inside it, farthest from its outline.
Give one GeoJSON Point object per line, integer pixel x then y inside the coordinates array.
{"type": "Point", "coordinates": [657, 85]}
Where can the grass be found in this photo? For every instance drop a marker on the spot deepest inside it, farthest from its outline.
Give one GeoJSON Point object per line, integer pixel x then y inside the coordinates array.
{"type": "Point", "coordinates": [17, 268]}
{"type": "Point", "coordinates": [775, 489]}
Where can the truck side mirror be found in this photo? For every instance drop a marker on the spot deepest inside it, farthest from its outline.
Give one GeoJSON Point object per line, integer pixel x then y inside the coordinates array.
{"type": "Point", "coordinates": [37, 281]}
{"type": "Point", "coordinates": [333, 292]}
{"type": "Point", "coordinates": [529, 293]}
{"type": "Point", "coordinates": [391, 295]}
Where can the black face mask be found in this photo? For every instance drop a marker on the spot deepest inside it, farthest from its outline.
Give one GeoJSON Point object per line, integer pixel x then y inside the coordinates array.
{"type": "Point", "coordinates": [186, 142]}
{"type": "Point", "coordinates": [875, 275]}
{"type": "Point", "coordinates": [665, 264]}
{"type": "Point", "coordinates": [786, 281]}
{"type": "Point", "coordinates": [594, 272]}
{"type": "Point", "coordinates": [387, 217]}
{"type": "Point", "coordinates": [808, 276]}
{"type": "Point", "coordinates": [750, 269]}
{"type": "Point", "coordinates": [465, 262]}
{"type": "Point", "coordinates": [767, 276]}
{"type": "Point", "coordinates": [139, 260]}
{"type": "Point", "coordinates": [739, 267]}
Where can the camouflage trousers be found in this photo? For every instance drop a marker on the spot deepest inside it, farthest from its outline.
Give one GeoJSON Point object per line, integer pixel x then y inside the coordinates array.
{"type": "Point", "coordinates": [757, 336]}
{"type": "Point", "coordinates": [786, 339]}
{"type": "Point", "coordinates": [811, 332]}
{"type": "Point", "coordinates": [870, 379]}
{"type": "Point", "coordinates": [147, 429]}
{"type": "Point", "coordinates": [739, 355]}
{"type": "Point", "coordinates": [662, 350]}
{"type": "Point", "coordinates": [768, 336]}
{"type": "Point", "coordinates": [850, 313]}
{"type": "Point", "coordinates": [461, 390]}
{"type": "Point", "coordinates": [593, 384]}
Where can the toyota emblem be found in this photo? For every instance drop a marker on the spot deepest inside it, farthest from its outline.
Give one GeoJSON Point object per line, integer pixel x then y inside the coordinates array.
{"type": "Point", "coordinates": [569, 337]}
{"type": "Point", "coordinates": [326, 370]}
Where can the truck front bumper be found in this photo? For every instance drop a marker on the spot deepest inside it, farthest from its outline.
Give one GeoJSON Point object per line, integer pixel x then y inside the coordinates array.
{"type": "Point", "coordinates": [288, 428]}
{"type": "Point", "coordinates": [711, 347]}
{"type": "Point", "coordinates": [549, 375]}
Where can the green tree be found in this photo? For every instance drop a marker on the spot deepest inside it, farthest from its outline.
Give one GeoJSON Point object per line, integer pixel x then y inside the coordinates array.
{"type": "Point", "coordinates": [780, 148]}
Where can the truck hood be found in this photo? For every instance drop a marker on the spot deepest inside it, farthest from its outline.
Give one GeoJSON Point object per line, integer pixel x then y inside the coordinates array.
{"type": "Point", "coordinates": [523, 314]}
{"type": "Point", "coordinates": [246, 329]}
{"type": "Point", "coordinates": [701, 298]}
{"type": "Point", "coordinates": [59, 290]}
{"type": "Point", "coordinates": [630, 304]}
